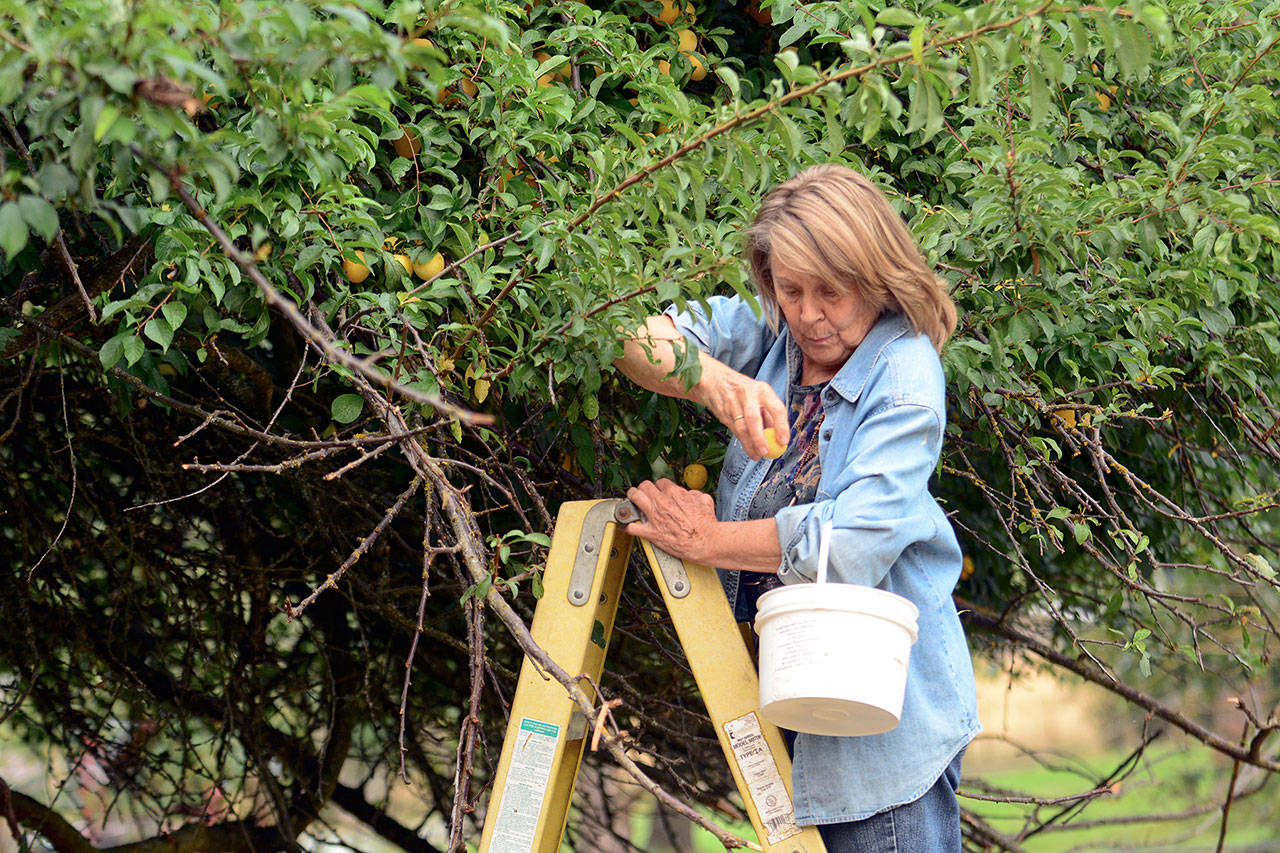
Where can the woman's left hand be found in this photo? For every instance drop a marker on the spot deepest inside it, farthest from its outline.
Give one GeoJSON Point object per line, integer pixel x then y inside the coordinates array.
{"type": "Point", "coordinates": [676, 519]}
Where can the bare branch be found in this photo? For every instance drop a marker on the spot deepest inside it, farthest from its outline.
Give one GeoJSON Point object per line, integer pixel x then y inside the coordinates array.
{"type": "Point", "coordinates": [990, 622]}
{"type": "Point", "coordinates": [365, 544]}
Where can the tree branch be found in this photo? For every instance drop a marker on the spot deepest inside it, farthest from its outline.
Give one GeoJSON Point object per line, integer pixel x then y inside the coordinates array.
{"type": "Point", "coordinates": [994, 624]}
{"type": "Point", "coordinates": [353, 803]}
{"type": "Point", "coordinates": [241, 836]}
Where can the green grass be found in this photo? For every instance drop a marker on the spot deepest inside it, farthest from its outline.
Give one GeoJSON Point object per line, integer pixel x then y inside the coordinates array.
{"type": "Point", "coordinates": [1165, 782]}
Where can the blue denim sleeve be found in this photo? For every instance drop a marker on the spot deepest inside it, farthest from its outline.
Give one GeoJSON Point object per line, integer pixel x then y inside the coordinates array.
{"type": "Point", "coordinates": [731, 332]}
{"type": "Point", "coordinates": [881, 505]}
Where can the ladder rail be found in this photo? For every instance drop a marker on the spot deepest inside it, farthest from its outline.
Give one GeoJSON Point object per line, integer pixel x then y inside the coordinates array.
{"type": "Point", "coordinates": [546, 733]}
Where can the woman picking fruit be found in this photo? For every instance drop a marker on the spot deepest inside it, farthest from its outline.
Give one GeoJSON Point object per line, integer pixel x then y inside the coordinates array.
{"type": "Point", "coordinates": [836, 402]}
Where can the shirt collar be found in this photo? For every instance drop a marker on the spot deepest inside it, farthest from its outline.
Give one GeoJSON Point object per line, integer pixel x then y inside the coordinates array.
{"type": "Point", "coordinates": [852, 377]}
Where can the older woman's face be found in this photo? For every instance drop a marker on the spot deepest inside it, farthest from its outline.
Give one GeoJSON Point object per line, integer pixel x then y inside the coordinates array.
{"type": "Point", "coordinates": [827, 324]}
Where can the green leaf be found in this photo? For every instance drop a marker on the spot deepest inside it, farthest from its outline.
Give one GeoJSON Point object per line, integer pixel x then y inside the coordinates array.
{"type": "Point", "coordinates": [119, 77]}
{"type": "Point", "coordinates": [894, 17]}
{"type": "Point", "coordinates": [347, 407]}
{"type": "Point", "coordinates": [40, 215]}
{"type": "Point", "coordinates": [309, 255]}
{"type": "Point", "coordinates": [12, 76]}
{"type": "Point", "coordinates": [1222, 247]}
{"type": "Point", "coordinates": [1134, 49]}
{"type": "Point", "coordinates": [159, 330]}
{"type": "Point", "coordinates": [175, 313]}
{"type": "Point", "coordinates": [544, 247]}
{"type": "Point", "coordinates": [368, 93]}
{"type": "Point", "coordinates": [160, 186]}
{"type": "Point", "coordinates": [1039, 94]}
{"type": "Point", "coordinates": [553, 63]}
{"type": "Point", "coordinates": [979, 76]}
{"type": "Point", "coordinates": [134, 350]}
{"type": "Point", "coordinates": [56, 181]}
{"type": "Point", "coordinates": [112, 351]}
{"type": "Point", "coordinates": [106, 119]}
{"type": "Point", "coordinates": [793, 34]}
{"type": "Point", "coordinates": [934, 117]}
{"type": "Point", "coordinates": [731, 80]}
{"type": "Point", "coordinates": [918, 109]}
{"type": "Point", "coordinates": [13, 229]}
{"type": "Point", "coordinates": [1082, 532]}
{"type": "Point", "coordinates": [872, 113]}
{"type": "Point", "coordinates": [1079, 34]}
{"type": "Point", "coordinates": [1260, 565]}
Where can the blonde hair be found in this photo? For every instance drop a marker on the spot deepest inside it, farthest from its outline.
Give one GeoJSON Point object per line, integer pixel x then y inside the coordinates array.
{"type": "Point", "coordinates": [832, 223]}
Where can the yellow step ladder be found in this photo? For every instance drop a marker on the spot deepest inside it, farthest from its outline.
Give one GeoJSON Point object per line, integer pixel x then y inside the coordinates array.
{"type": "Point", "coordinates": [529, 802]}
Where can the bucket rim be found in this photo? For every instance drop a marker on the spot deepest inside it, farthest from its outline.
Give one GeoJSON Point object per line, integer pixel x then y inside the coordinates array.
{"type": "Point", "coordinates": [839, 590]}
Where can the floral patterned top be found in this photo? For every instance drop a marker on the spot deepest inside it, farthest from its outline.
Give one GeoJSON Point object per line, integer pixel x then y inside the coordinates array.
{"type": "Point", "coordinates": [792, 479]}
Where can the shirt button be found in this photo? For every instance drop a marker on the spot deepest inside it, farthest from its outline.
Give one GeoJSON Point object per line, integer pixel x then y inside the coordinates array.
{"type": "Point", "coordinates": [826, 435]}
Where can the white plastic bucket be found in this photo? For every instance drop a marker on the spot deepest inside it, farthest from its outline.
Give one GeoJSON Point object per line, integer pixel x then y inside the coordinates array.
{"type": "Point", "coordinates": [833, 656]}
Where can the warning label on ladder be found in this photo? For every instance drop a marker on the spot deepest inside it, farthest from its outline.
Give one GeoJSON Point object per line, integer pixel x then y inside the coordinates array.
{"type": "Point", "coordinates": [764, 781]}
{"type": "Point", "coordinates": [527, 779]}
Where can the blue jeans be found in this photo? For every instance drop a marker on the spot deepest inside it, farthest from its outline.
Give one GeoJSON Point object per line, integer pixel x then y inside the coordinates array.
{"type": "Point", "coordinates": [930, 824]}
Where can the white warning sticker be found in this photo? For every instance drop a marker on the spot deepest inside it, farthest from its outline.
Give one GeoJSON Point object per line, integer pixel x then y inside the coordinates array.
{"type": "Point", "coordinates": [764, 780]}
{"type": "Point", "coordinates": [527, 778]}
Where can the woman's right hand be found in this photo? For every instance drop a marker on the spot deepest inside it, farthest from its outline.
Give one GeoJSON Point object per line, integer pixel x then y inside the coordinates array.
{"type": "Point", "coordinates": [745, 405]}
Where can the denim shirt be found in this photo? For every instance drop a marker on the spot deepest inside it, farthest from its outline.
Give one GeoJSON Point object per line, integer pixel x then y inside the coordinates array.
{"type": "Point", "coordinates": [880, 441]}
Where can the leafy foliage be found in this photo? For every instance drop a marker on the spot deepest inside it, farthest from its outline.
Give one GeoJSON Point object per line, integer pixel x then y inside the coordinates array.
{"type": "Point", "coordinates": [1097, 182]}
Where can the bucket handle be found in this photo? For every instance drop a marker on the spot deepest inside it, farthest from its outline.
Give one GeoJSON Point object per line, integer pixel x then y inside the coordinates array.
{"type": "Point", "coordinates": [824, 551]}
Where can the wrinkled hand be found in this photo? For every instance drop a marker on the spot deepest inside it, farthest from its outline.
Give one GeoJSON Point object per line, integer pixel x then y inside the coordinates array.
{"type": "Point", "coordinates": [746, 406]}
{"type": "Point", "coordinates": [677, 520]}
